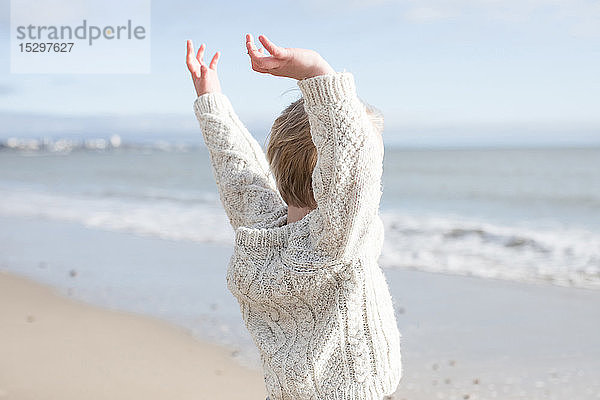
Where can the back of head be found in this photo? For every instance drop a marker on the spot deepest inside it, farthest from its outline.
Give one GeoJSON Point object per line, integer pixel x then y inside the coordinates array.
{"type": "Point", "coordinates": [292, 155]}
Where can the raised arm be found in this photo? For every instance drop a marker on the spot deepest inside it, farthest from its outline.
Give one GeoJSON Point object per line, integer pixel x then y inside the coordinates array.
{"type": "Point", "coordinates": [346, 179]}
{"type": "Point", "coordinates": [246, 186]}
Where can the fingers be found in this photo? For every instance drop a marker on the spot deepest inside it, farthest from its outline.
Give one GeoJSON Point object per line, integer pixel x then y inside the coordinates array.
{"type": "Point", "coordinates": [191, 62]}
{"type": "Point", "coordinates": [190, 52]}
{"type": "Point", "coordinates": [215, 60]}
{"type": "Point", "coordinates": [261, 60]}
{"type": "Point", "coordinates": [275, 50]}
{"type": "Point", "coordinates": [196, 63]}
{"type": "Point", "coordinates": [251, 47]}
{"type": "Point", "coordinates": [190, 48]}
{"type": "Point", "coordinates": [249, 40]}
{"type": "Point", "coordinates": [200, 54]}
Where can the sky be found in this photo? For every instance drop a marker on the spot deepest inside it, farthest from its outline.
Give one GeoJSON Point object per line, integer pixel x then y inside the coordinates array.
{"type": "Point", "coordinates": [443, 72]}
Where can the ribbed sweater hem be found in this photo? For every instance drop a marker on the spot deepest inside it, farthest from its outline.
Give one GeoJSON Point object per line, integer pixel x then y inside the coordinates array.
{"type": "Point", "coordinates": [268, 237]}
{"type": "Point", "coordinates": [327, 89]}
{"type": "Point", "coordinates": [212, 103]}
{"type": "Point", "coordinates": [360, 391]}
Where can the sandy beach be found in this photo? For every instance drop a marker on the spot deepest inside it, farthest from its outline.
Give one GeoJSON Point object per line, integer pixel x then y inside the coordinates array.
{"type": "Point", "coordinates": [463, 337]}
{"type": "Point", "coordinates": [52, 347]}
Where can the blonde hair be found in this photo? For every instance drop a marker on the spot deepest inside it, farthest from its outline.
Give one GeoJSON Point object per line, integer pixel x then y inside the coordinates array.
{"type": "Point", "coordinates": [292, 155]}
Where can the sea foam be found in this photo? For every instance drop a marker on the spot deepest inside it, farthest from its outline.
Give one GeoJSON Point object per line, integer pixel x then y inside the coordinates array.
{"type": "Point", "coordinates": [442, 243]}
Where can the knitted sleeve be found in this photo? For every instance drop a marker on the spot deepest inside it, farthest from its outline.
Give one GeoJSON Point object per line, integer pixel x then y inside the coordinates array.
{"type": "Point", "coordinates": [346, 180]}
{"type": "Point", "coordinates": [246, 186]}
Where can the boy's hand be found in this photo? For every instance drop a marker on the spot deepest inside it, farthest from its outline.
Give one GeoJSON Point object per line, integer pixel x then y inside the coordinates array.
{"type": "Point", "coordinates": [287, 62]}
{"type": "Point", "coordinates": [205, 77]}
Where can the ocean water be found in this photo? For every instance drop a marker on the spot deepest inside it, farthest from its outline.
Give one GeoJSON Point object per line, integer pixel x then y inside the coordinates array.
{"type": "Point", "coordinates": [530, 215]}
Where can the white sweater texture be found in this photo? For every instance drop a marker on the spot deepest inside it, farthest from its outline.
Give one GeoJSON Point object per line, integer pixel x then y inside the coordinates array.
{"type": "Point", "coordinates": [311, 292]}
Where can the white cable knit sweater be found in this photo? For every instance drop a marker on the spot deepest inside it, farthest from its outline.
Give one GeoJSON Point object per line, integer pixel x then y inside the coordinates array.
{"type": "Point", "coordinates": [311, 292]}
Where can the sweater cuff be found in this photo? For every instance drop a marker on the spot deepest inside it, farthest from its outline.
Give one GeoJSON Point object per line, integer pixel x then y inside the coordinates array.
{"type": "Point", "coordinates": [212, 103]}
{"type": "Point", "coordinates": [327, 89]}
